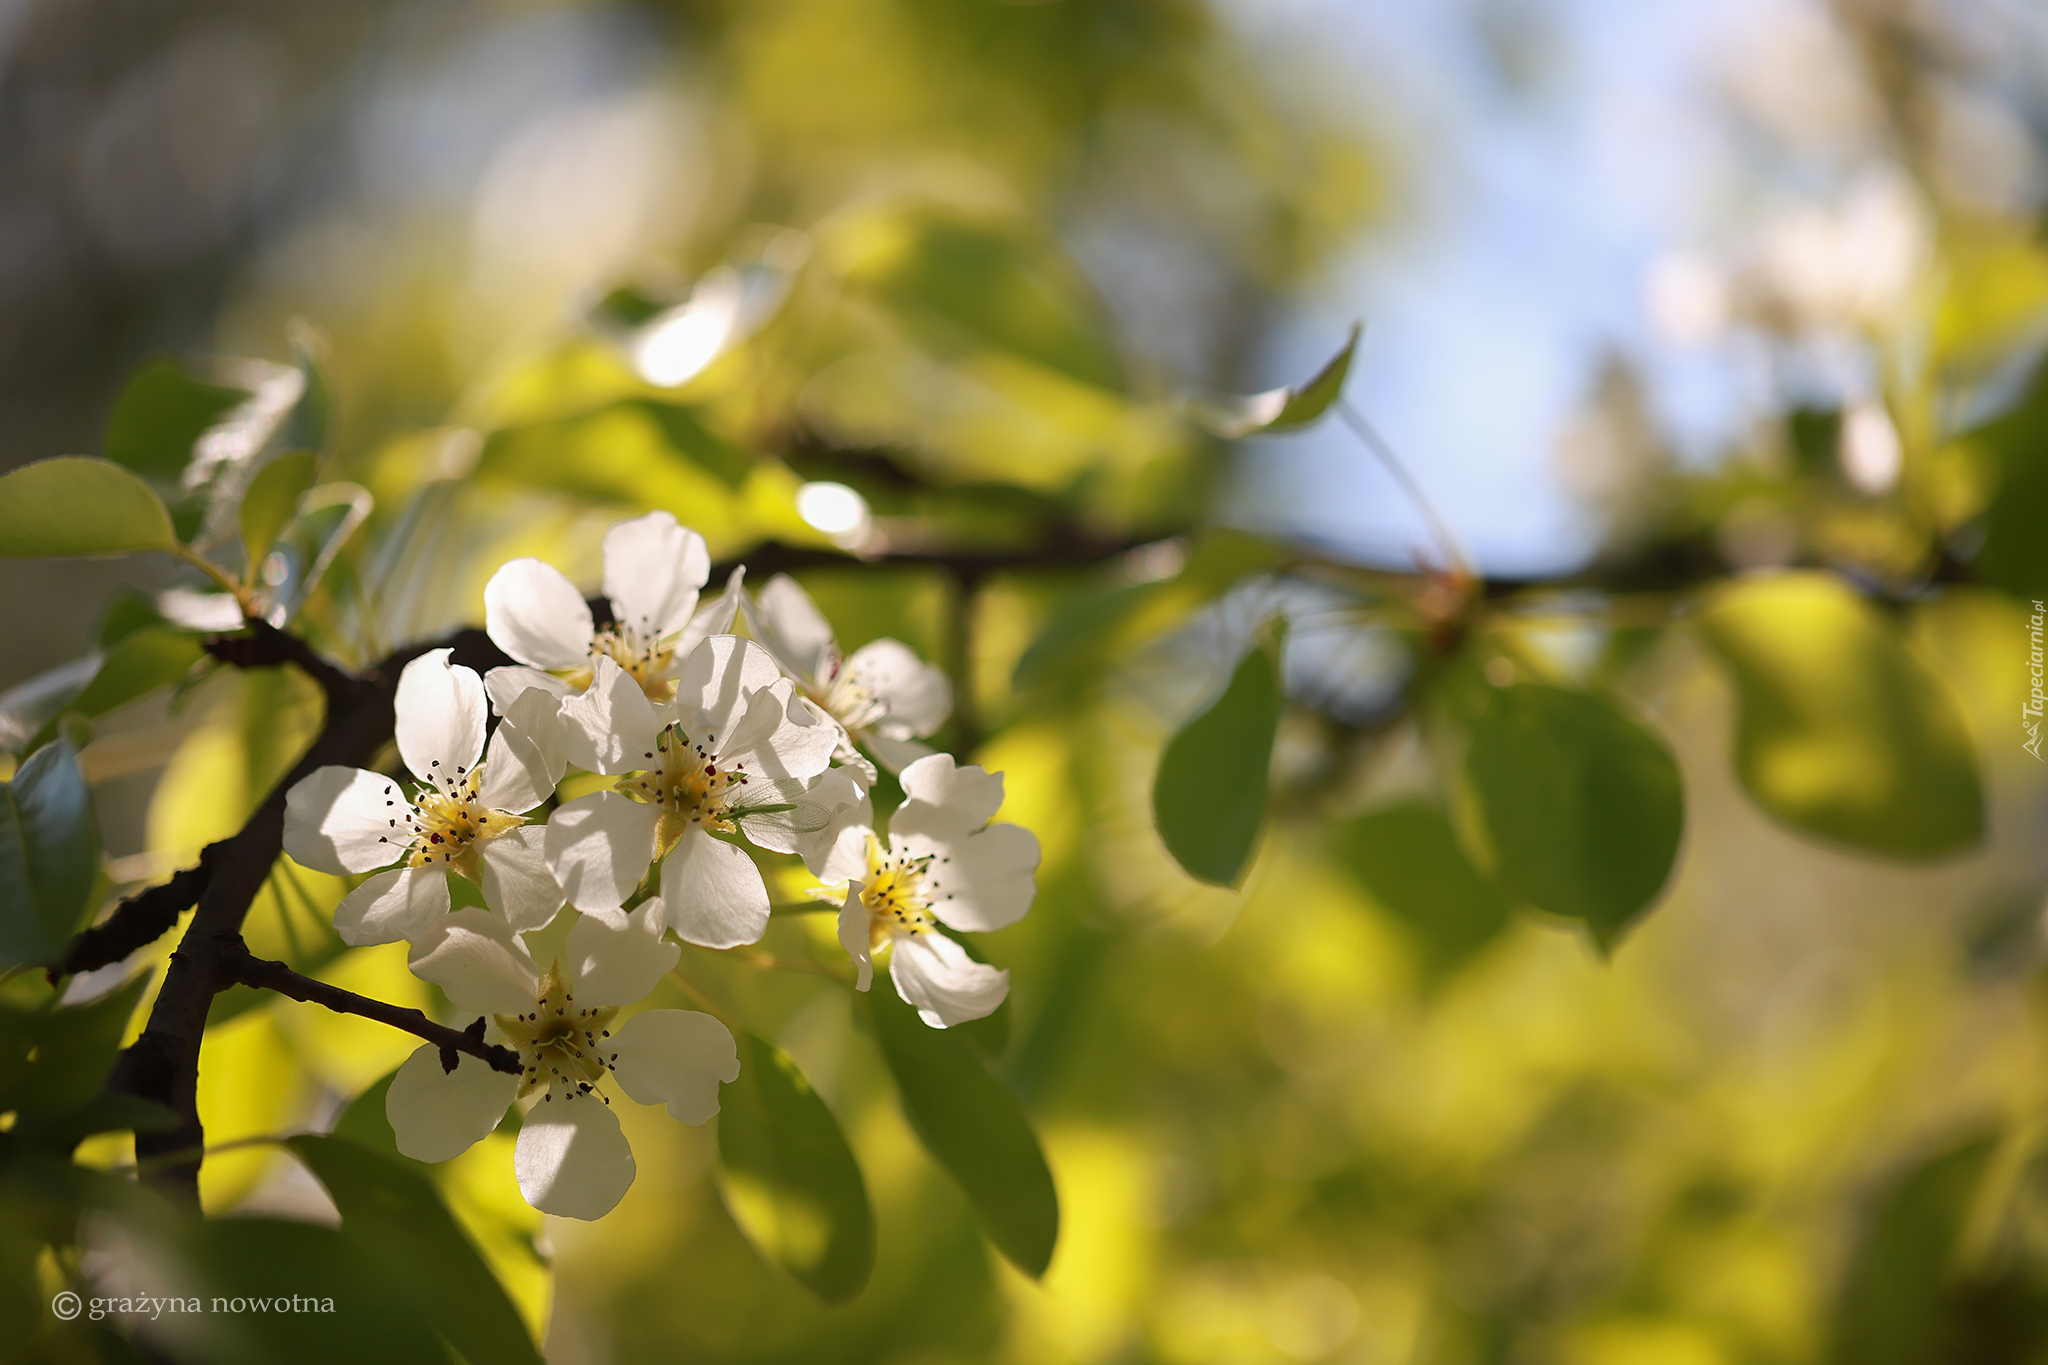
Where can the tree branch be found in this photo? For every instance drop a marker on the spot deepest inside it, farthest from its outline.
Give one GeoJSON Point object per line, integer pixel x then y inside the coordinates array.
{"type": "Point", "coordinates": [138, 921]}
{"type": "Point", "coordinates": [262, 645]}
{"type": "Point", "coordinates": [163, 1063]}
{"type": "Point", "coordinates": [245, 968]}
{"type": "Point", "coordinates": [1062, 552]}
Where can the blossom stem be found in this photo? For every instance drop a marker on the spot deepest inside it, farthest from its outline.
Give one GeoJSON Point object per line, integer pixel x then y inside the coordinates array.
{"type": "Point", "coordinates": [246, 968]}
{"type": "Point", "coordinates": [185, 554]}
{"type": "Point", "coordinates": [1447, 545]}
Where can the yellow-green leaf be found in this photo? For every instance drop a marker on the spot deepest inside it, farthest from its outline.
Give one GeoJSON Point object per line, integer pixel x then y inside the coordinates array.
{"type": "Point", "coordinates": [1580, 804]}
{"type": "Point", "coordinates": [49, 851]}
{"type": "Point", "coordinates": [1409, 859]}
{"type": "Point", "coordinates": [1842, 733]}
{"type": "Point", "coordinates": [974, 1127]}
{"type": "Point", "coordinates": [162, 412]}
{"type": "Point", "coordinates": [272, 501]}
{"type": "Point", "coordinates": [79, 505]}
{"type": "Point", "coordinates": [789, 1178]}
{"type": "Point", "coordinates": [1234, 415]}
{"type": "Point", "coordinates": [1209, 796]}
{"type": "Point", "coordinates": [395, 1216]}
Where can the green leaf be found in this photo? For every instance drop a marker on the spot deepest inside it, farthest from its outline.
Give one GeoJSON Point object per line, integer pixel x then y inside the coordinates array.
{"type": "Point", "coordinates": [56, 1060]}
{"type": "Point", "coordinates": [161, 413]}
{"type": "Point", "coordinates": [127, 611]}
{"type": "Point", "coordinates": [789, 1178]}
{"type": "Point", "coordinates": [272, 501]}
{"type": "Point", "coordinates": [360, 1308]}
{"type": "Point", "coordinates": [688, 436]}
{"type": "Point", "coordinates": [2015, 553]}
{"type": "Point", "coordinates": [974, 1127]}
{"type": "Point", "coordinates": [632, 454]}
{"type": "Point", "coordinates": [1080, 641]}
{"type": "Point", "coordinates": [1233, 415]}
{"type": "Point", "coordinates": [49, 851]}
{"type": "Point", "coordinates": [1409, 859]}
{"type": "Point", "coordinates": [1581, 805]}
{"type": "Point", "coordinates": [959, 285]}
{"type": "Point", "coordinates": [143, 661]}
{"type": "Point", "coordinates": [1209, 796]}
{"type": "Point", "coordinates": [396, 1216]}
{"type": "Point", "coordinates": [1900, 1303]}
{"type": "Point", "coordinates": [76, 505]}
{"type": "Point", "coordinates": [1842, 732]}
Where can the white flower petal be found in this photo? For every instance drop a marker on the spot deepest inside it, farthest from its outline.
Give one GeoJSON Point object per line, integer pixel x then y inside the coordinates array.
{"type": "Point", "coordinates": [897, 754]}
{"type": "Point", "coordinates": [945, 800]}
{"type": "Point", "coordinates": [778, 814]}
{"type": "Point", "coordinates": [854, 937]}
{"type": "Point", "coordinates": [610, 727]}
{"type": "Point", "coordinates": [715, 619]}
{"type": "Point", "coordinates": [947, 986]}
{"type": "Point", "coordinates": [442, 710]}
{"type": "Point", "coordinates": [714, 893]}
{"type": "Point", "coordinates": [983, 882]}
{"type": "Point", "coordinates": [783, 618]}
{"type": "Point", "coordinates": [392, 906]}
{"type": "Point", "coordinates": [917, 695]}
{"type": "Point", "coordinates": [536, 615]}
{"type": "Point", "coordinates": [479, 961]}
{"type": "Point", "coordinates": [506, 685]}
{"type": "Point", "coordinates": [676, 1058]}
{"type": "Point", "coordinates": [524, 761]}
{"type": "Point", "coordinates": [617, 959]}
{"type": "Point", "coordinates": [438, 1114]}
{"type": "Point", "coordinates": [803, 745]}
{"type": "Point", "coordinates": [515, 878]}
{"type": "Point", "coordinates": [572, 1159]}
{"type": "Point", "coordinates": [598, 848]}
{"type": "Point", "coordinates": [848, 858]}
{"type": "Point", "coordinates": [652, 571]}
{"type": "Point", "coordinates": [845, 802]}
{"type": "Point", "coordinates": [345, 820]}
{"type": "Point", "coordinates": [716, 680]}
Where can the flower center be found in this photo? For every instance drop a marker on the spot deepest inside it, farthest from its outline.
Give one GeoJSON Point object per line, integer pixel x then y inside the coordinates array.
{"type": "Point", "coordinates": [851, 700]}
{"type": "Point", "coordinates": [446, 823]}
{"type": "Point", "coordinates": [647, 660]}
{"type": "Point", "coordinates": [894, 894]}
{"type": "Point", "coordinates": [689, 783]}
{"type": "Point", "coordinates": [559, 1042]}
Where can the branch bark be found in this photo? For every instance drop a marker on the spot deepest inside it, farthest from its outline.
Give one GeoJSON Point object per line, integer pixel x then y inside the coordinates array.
{"type": "Point", "coordinates": [163, 1063]}
{"type": "Point", "coordinates": [245, 968]}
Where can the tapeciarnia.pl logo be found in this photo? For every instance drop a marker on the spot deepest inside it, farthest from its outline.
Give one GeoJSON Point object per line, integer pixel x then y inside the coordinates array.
{"type": "Point", "coordinates": [2030, 714]}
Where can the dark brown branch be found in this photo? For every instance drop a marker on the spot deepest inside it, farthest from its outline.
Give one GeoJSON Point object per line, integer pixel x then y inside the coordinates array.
{"type": "Point", "coordinates": [163, 1064]}
{"type": "Point", "coordinates": [774, 556]}
{"type": "Point", "coordinates": [138, 921]}
{"type": "Point", "coordinates": [262, 645]}
{"type": "Point", "coordinates": [245, 968]}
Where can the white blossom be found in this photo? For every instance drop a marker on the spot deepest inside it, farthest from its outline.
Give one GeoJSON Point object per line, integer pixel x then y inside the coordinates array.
{"type": "Point", "coordinates": [465, 816]}
{"type": "Point", "coordinates": [653, 572]}
{"type": "Point", "coordinates": [883, 696]}
{"type": "Point", "coordinates": [941, 863]}
{"type": "Point", "coordinates": [736, 752]}
{"type": "Point", "coordinates": [572, 1159]}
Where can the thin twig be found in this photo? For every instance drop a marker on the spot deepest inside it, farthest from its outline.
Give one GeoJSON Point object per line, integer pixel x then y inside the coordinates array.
{"type": "Point", "coordinates": [245, 968]}
{"type": "Point", "coordinates": [1447, 545]}
{"type": "Point", "coordinates": [262, 645]}
{"type": "Point", "coordinates": [139, 920]}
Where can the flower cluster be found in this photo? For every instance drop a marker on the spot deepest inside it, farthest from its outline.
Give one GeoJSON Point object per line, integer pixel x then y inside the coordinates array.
{"type": "Point", "coordinates": [692, 746]}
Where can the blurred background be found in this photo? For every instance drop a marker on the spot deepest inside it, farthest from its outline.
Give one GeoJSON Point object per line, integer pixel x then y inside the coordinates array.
{"type": "Point", "coordinates": [1648, 289]}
